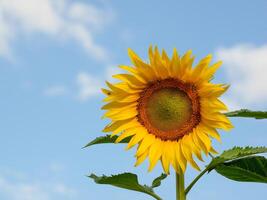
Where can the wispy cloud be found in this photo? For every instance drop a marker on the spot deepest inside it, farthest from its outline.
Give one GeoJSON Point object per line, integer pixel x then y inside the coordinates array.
{"type": "Point", "coordinates": [6, 35]}
{"type": "Point", "coordinates": [14, 186]}
{"type": "Point", "coordinates": [18, 191]}
{"type": "Point", "coordinates": [56, 90]}
{"type": "Point", "coordinates": [110, 71]}
{"type": "Point", "coordinates": [23, 190]}
{"type": "Point", "coordinates": [61, 19]}
{"type": "Point", "coordinates": [56, 167]}
{"type": "Point", "coordinates": [88, 86]}
{"type": "Point", "coordinates": [246, 69]}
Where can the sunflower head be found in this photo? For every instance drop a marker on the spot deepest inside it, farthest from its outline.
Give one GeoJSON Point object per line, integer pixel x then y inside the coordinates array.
{"type": "Point", "coordinates": [169, 108]}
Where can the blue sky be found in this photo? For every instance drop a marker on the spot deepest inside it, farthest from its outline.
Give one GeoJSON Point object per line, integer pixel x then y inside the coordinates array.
{"type": "Point", "coordinates": [56, 54]}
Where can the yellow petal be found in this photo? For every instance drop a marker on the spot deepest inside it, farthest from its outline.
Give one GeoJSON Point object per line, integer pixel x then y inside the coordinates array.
{"type": "Point", "coordinates": [136, 60]}
{"type": "Point", "coordinates": [212, 104]}
{"type": "Point", "coordinates": [208, 74]}
{"type": "Point", "coordinates": [187, 152]}
{"type": "Point", "coordinates": [106, 92]}
{"type": "Point", "coordinates": [127, 88]}
{"type": "Point", "coordinates": [211, 132]}
{"type": "Point", "coordinates": [159, 66]}
{"type": "Point", "coordinates": [204, 139]}
{"type": "Point", "coordinates": [186, 62]}
{"type": "Point", "coordinates": [117, 105]}
{"type": "Point", "coordinates": [119, 110]}
{"type": "Point", "coordinates": [114, 88]}
{"type": "Point", "coordinates": [154, 154]}
{"type": "Point", "coordinates": [130, 113]}
{"type": "Point", "coordinates": [195, 148]}
{"type": "Point", "coordinates": [140, 159]}
{"type": "Point", "coordinates": [148, 140]}
{"type": "Point", "coordinates": [165, 158]}
{"type": "Point", "coordinates": [123, 98]}
{"type": "Point", "coordinates": [217, 124]}
{"type": "Point", "coordinates": [153, 63]}
{"type": "Point", "coordinates": [171, 154]}
{"type": "Point", "coordinates": [215, 116]}
{"type": "Point", "coordinates": [198, 142]}
{"type": "Point", "coordinates": [125, 134]}
{"type": "Point", "coordinates": [198, 70]}
{"type": "Point", "coordinates": [145, 72]}
{"type": "Point", "coordinates": [118, 126]}
{"type": "Point", "coordinates": [165, 56]}
{"type": "Point", "coordinates": [151, 55]}
{"type": "Point", "coordinates": [133, 81]}
{"type": "Point", "coordinates": [212, 90]}
{"type": "Point", "coordinates": [140, 133]}
{"type": "Point", "coordinates": [180, 159]}
{"type": "Point", "coordinates": [175, 67]}
{"type": "Point", "coordinates": [130, 69]}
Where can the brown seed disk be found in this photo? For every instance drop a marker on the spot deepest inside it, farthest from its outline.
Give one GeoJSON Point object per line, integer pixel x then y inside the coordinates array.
{"type": "Point", "coordinates": [187, 126]}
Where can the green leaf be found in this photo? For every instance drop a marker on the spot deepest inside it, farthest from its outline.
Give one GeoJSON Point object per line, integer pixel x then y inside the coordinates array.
{"type": "Point", "coordinates": [106, 139]}
{"type": "Point", "coordinates": [127, 181]}
{"type": "Point", "coordinates": [157, 181]}
{"type": "Point", "coordinates": [248, 113]}
{"type": "Point", "coordinates": [250, 169]}
{"type": "Point", "coordinates": [235, 153]}
{"type": "Point", "coordinates": [226, 157]}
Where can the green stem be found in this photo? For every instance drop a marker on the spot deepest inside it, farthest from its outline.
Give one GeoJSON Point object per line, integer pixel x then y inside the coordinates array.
{"type": "Point", "coordinates": [180, 189]}
{"type": "Point", "coordinates": [155, 196]}
{"type": "Point", "coordinates": [195, 180]}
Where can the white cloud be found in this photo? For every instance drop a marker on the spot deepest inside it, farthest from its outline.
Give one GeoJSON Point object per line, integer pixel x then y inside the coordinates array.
{"type": "Point", "coordinates": [64, 190]}
{"type": "Point", "coordinates": [110, 71]}
{"type": "Point", "coordinates": [89, 14]}
{"type": "Point", "coordinates": [21, 190]}
{"type": "Point", "coordinates": [246, 69]}
{"type": "Point", "coordinates": [57, 90]}
{"type": "Point", "coordinates": [56, 167]}
{"type": "Point", "coordinates": [13, 186]}
{"type": "Point", "coordinates": [18, 191]}
{"type": "Point", "coordinates": [6, 34]}
{"type": "Point", "coordinates": [61, 19]}
{"type": "Point", "coordinates": [88, 86]}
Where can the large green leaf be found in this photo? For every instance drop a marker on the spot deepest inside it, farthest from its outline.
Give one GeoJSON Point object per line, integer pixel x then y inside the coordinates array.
{"type": "Point", "coordinates": [235, 153]}
{"type": "Point", "coordinates": [127, 181]}
{"type": "Point", "coordinates": [249, 169]}
{"type": "Point", "coordinates": [106, 139]}
{"type": "Point", "coordinates": [248, 113]}
{"type": "Point", "coordinates": [229, 156]}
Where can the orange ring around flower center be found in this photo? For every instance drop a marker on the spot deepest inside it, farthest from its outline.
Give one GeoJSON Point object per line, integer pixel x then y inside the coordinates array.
{"type": "Point", "coordinates": [191, 118]}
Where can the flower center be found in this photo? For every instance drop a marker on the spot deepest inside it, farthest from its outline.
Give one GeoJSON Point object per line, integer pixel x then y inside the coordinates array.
{"type": "Point", "coordinates": [169, 109]}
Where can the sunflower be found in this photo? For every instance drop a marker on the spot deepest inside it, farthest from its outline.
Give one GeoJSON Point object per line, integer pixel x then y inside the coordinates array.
{"type": "Point", "coordinates": [169, 109]}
